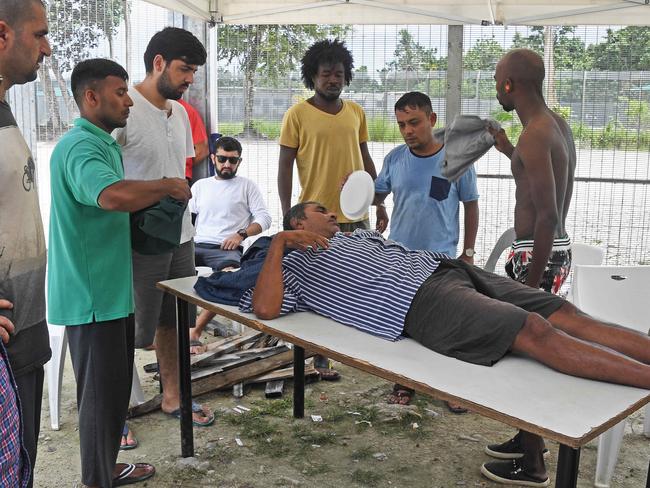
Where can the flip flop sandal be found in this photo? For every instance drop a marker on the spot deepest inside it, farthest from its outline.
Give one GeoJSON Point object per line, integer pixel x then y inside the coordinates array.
{"type": "Point", "coordinates": [127, 446]}
{"type": "Point", "coordinates": [328, 374]}
{"type": "Point", "coordinates": [322, 365]}
{"type": "Point", "coordinates": [400, 392]}
{"type": "Point", "coordinates": [196, 408]}
{"type": "Point", "coordinates": [456, 410]}
{"type": "Point", "coordinates": [150, 368]}
{"type": "Point", "coordinates": [125, 477]}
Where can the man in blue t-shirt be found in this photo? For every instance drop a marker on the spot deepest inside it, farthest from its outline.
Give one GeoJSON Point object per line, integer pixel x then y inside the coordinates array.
{"type": "Point", "coordinates": [425, 213]}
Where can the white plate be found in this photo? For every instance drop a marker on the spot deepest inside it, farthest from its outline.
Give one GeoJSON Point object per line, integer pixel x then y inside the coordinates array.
{"type": "Point", "coordinates": [357, 195]}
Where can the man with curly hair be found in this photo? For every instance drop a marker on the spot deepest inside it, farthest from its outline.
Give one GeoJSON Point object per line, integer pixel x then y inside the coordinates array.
{"type": "Point", "coordinates": [328, 139]}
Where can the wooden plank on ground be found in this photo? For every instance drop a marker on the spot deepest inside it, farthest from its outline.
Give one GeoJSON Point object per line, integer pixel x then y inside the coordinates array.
{"type": "Point", "coordinates": [281, 374]}
{"type": "Point", "coordinates": [215, 382]}
{"type": "Point", "coordinates": [230, 344]}
{"type": "Point", "coordinates": [239, 361]}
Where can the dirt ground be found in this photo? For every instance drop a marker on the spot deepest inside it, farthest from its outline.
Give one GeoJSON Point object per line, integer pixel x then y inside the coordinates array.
{"type": "Point", "coordinates": [359, 443]}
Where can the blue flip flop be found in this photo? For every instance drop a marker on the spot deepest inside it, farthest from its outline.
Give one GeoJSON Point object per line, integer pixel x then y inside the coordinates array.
{"type": "Point", "coordinates": [196, 408]}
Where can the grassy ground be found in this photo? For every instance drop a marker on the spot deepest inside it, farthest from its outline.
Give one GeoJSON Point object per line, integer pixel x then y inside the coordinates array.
{"type": "Point", "coordinates": [361, 442]}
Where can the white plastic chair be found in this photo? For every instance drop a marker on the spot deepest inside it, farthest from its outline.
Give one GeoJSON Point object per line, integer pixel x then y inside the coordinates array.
{"type": "Point", "coordinates": [617, 294]}
{"type": "Point", "coordinates": [54, 369]}
{"type": "Point", "coordinates": [501, 245]}
{"type": "Point", "coordinates": [583, 254]}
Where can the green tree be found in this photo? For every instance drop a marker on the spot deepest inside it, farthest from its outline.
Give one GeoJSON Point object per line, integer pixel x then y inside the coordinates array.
{"type": "Point", "coordinates": [626, 49]}
{"type": "Point", "coordinates": [484, 55]}
{"type": "Point", "coordinates": [534, 41]}
{"type": "Point", "coordinates": [363, 81]}
{"type": "Point", "coordinates": [409, 59]}
{"type": "Point", "coordinates": [569, 52]}
{"type": "Point", "coordinates": [269, 51]}
{"type": "Point", "coordinates": [409, 55]}
{"type": "Point", "coordinates": [76, 28]}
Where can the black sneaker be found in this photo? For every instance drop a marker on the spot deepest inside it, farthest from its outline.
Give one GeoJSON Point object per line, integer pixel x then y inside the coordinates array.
{"type": "Point", "coordinates": [510, 473]}
{"type": "Point", "coordinates": [510, 449]}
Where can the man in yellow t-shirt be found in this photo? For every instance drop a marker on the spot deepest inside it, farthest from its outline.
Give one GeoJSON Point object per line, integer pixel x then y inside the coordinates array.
{"type": "Point", "coordinates": [326, 136]}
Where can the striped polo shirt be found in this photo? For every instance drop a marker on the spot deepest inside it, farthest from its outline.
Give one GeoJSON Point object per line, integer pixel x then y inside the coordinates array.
{"type": "Point", "coordinates": [362, 280]}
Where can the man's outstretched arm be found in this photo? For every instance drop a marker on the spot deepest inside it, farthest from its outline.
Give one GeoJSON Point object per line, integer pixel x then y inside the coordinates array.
{"type": "Point", "coordinates": [269, 288]}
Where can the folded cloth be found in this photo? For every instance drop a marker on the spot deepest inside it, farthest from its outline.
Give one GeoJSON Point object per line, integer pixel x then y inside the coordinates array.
{"type": "Point", "coordinates": [157, 229]}
{"type": "Point", "coordinates": [466, 140]}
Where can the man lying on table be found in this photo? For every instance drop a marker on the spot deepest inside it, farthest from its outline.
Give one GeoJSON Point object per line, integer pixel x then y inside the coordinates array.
{"type": "Point", "coordinates": [380, 287]}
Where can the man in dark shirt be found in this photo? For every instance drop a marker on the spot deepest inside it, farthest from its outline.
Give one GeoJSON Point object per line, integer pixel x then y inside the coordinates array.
{"type": "Point", "coordinates": [23, 45]}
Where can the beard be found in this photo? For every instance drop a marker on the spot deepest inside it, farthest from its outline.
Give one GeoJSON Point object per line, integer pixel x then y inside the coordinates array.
{"type": "Point", "coordinates": [166, 89]}
{"type": "Point", "coordinates": [330, 97]}
{"type": "Point", "coordinates": [225, 176]}
{"type": "Point", "coordinates": [508, 107]}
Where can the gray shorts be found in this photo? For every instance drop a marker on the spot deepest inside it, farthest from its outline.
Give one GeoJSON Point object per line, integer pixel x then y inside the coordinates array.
{"type": "Point", "coordinates": [153, 307]}
{"type": "Point", "coordinates": [470, 314]}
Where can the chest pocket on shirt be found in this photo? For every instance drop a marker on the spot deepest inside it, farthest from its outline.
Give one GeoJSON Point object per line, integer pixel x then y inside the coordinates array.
{"type": "Point", "coordinates": [439, 188]}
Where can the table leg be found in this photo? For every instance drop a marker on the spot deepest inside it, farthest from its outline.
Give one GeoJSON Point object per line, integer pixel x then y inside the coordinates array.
{"type": "Point", "coordinates": [185, 379]}
{"type": "Point", "coordinates": [298, 382]}
{"type": "Point", "coordinates": [567, 467]}
{"type": "Point", "coordinates": [647, 481]}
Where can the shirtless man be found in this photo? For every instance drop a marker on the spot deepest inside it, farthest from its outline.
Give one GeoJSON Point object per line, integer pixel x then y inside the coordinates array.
{"type": "Point", "coordinates": [543, 164]}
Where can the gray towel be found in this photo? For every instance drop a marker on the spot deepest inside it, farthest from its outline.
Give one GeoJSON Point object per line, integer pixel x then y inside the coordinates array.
{"type": "Point", "coordinates": [466, 140]}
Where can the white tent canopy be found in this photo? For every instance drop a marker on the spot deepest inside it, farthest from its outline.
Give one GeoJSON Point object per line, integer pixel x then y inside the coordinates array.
{"type": "Point", "coordinates": [506, 12]}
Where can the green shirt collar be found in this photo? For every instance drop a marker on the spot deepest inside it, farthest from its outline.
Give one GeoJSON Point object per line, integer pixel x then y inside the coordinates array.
{"type": "Point", "coordinates": [93, 129]}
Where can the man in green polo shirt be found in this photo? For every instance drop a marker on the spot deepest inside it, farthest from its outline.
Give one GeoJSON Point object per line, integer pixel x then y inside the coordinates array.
{"type": "Point", "coordinates": [89, 270]}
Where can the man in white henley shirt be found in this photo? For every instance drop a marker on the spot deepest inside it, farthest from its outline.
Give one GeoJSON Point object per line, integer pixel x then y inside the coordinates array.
{"type": "Point", "coordinates": [155, 144]}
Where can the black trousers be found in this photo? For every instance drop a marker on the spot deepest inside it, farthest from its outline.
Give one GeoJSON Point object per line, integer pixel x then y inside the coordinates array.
{"type": "Point", "coordinates": [30, 391]}
{"type": "Point", "coordinates": [102, 359]}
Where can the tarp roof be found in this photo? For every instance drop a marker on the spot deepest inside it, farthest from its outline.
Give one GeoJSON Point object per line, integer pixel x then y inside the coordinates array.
{"type": "Point", "coordinates": [506, 12]}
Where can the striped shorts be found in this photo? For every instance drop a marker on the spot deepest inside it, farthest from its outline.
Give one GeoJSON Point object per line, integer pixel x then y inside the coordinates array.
{"type": "Point", "coordinates": [556, 271]}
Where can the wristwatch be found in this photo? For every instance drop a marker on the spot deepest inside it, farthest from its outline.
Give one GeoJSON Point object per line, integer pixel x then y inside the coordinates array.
{"type": "Point", "coordinates": [242, 233]}
{"type": "Point", "coordinates": [469, 252]}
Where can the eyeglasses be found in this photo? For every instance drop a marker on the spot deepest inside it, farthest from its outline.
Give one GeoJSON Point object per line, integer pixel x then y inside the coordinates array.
{"type": "Point", "coordinates": [231, 159]}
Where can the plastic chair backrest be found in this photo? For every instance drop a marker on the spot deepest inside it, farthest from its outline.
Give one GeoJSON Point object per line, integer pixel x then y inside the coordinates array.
{"type": "Point", "coordinates": [582, 254]}
{"type": "Point", "coordinates": [619, 294]}
{"type": "Point", "coordinates": [586, 254]}
{"type": "Point", "coordinates": [501, 245]}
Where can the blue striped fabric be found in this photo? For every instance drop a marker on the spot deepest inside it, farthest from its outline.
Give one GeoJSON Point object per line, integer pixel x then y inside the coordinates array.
{"type": "Point", "coordinates": [362, 280]}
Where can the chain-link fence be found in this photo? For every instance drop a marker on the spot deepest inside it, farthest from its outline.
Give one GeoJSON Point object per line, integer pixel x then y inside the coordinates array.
{"type": "Point", "coordinates": [597, 77]}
